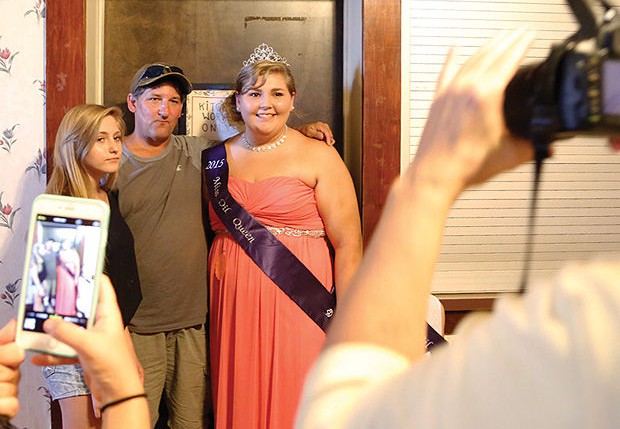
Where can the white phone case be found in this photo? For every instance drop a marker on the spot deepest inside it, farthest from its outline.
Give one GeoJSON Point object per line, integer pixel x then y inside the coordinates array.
{"type": "Point", "coordinates": [64, 259]}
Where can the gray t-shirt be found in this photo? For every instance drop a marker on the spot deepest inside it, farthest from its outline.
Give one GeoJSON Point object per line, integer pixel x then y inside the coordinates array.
{"type": "Point", "coordinates": [160, 199]}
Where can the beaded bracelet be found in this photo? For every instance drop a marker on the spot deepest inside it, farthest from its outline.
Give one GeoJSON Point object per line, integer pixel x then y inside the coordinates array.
{"type": "Point", "coordinates": [119, 401]}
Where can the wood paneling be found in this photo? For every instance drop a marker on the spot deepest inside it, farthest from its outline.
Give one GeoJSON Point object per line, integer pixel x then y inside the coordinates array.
{"type": "Point", "coordinates": [65, 82]}
{"type": "Point", "coordinates": [381, 106]}
{"type": "Point", "coordinates": [65, 63]}
{"type": "Point", "coordinates": [458, 306]}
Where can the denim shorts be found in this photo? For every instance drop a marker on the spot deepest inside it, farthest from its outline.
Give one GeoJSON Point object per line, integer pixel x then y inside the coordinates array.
{"type": "Point", "coordinates": [65, 381]}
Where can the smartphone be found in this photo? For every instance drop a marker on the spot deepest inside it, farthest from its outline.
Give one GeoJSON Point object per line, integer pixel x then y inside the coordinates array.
{"type": "Point", "coordinates": [64, 259]}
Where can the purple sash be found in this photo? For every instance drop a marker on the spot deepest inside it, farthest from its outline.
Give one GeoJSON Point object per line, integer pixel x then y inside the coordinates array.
{"type": "Point", "coordinates": [433, 338]}
{"type": "Point", "coordinates": [273, 257]}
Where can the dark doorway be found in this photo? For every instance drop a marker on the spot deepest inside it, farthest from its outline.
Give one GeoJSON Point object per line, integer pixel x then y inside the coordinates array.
{"type": "Point", "coordinates": [210, 39]}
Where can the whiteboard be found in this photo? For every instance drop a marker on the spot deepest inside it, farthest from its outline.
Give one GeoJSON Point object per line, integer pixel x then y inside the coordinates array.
{"type": "Point", "coordinates": [204, 115]}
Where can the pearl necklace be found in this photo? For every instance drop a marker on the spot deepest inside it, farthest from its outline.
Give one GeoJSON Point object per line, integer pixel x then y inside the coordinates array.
{"type": "Point", "coordinates": [274, 145]}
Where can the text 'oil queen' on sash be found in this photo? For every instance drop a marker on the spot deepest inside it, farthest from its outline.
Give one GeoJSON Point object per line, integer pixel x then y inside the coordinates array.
{"type": "Point", "coordinates": [238, 223]}
{"type": "Point", "coordinates": [239, 227]}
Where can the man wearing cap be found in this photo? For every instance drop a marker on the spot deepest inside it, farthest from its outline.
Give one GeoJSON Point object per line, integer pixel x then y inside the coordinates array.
{"type": "Point", "coordinates": [159, 184]}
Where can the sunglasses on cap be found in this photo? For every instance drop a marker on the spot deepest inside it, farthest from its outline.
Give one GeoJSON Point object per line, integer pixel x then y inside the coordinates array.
{"type": "Point", "coordinates": [159, 70]}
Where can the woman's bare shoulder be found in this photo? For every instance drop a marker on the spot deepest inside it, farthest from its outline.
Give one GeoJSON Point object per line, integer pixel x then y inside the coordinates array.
{"type": "Point", "coordinates": [312, 147]}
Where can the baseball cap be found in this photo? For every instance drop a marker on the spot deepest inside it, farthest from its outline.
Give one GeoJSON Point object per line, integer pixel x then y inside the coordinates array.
{"type": "Point", "coordinates": [151, 73]}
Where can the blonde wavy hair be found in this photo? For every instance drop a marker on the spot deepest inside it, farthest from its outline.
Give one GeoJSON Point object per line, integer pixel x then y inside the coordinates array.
{"type": "Point", "coordinates": [76, 136]}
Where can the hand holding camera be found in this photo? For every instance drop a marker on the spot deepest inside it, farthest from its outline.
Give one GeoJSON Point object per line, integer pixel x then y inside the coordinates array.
{"type": "Point", "coordinates": [576, 90]}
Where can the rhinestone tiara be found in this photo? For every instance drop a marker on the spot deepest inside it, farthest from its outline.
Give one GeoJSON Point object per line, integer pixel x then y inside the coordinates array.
{"type": "Point", "coordinates": [264, 52]}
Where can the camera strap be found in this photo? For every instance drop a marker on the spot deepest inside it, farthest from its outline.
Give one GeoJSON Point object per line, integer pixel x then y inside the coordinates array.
{"type": "Point", "coordinates": [540, 156]}
{"type": "Point", "coordinates": [544, 123]}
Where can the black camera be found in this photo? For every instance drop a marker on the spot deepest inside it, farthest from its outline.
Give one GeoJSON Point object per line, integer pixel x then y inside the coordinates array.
{"type": "Point", "coordinates": [576, 90]}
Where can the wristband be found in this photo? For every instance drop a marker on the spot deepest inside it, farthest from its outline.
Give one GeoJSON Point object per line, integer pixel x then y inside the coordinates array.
{"type": "Point", "coordinates": [119, 401]}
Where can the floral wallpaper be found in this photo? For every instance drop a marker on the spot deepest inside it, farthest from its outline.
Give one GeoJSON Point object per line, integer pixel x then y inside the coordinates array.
{"type": "Point", "coordinates": [22, 170]}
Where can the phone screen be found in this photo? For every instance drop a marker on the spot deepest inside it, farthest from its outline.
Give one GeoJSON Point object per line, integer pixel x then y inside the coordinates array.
{"type": "Point", "coordinates": [61, 270]}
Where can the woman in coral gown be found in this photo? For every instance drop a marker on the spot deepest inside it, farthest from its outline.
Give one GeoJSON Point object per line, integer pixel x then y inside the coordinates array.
{"type": "Point", "coordinates": [262, 342]}
{"type": "Point", "coordinates": [67, 276]}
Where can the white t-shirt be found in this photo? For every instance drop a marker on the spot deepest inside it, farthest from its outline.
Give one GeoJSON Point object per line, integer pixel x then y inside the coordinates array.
{"type": "Point", "coordinates": [550, 359]}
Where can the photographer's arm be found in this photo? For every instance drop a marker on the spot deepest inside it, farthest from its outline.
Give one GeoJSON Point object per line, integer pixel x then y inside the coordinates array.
{"type": "Point", "coordinates": [384, 309]}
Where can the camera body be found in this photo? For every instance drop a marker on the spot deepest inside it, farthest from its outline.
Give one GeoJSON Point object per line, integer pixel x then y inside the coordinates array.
{"type": "Point", "coordinates": [576, 90]}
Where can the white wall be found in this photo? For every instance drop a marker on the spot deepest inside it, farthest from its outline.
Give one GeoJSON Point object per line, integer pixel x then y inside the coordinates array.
{"type": "Point", "coordinates": [579, 207]}
{"type": "Point", "coordinates": [22, 169]}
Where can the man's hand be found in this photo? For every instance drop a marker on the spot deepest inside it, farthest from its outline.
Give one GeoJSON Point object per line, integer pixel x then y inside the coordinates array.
{"type": "Point", "coordinates": [319, 131]}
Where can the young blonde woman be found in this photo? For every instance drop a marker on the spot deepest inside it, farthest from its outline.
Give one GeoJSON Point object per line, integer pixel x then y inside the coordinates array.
{"type": "Point", "coordinates": [86, 159]}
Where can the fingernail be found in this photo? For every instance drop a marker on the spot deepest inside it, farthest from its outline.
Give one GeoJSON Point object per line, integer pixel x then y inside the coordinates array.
{"type": "Point", "coordinates": [49, 326]}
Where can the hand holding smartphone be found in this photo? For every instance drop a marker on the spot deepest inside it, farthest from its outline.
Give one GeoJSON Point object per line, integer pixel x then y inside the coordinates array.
{"type": "Point", "coordinates": [64, 260]}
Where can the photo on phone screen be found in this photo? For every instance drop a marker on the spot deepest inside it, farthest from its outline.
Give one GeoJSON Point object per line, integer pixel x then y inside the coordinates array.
{"type": "Point", "coordinates": [63, 262]}
{"type": "Point", "coordinates": [61, 275]}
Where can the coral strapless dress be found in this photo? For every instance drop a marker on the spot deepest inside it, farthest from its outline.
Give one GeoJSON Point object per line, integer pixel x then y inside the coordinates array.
{"type": "Point", "coordinates": [262, 343]}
